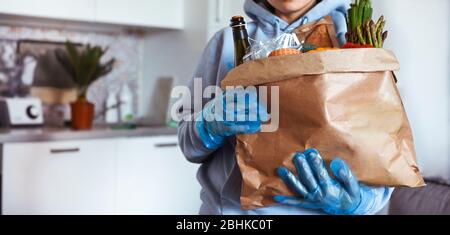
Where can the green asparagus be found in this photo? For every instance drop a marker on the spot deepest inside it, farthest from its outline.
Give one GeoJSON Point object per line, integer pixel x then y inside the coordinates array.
{"type": "Point", "coordinates": [361, 28]}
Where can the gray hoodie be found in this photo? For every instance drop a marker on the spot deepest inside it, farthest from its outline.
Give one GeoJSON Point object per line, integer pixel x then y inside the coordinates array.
{"type": "Point", "coordinates": [219, 173]}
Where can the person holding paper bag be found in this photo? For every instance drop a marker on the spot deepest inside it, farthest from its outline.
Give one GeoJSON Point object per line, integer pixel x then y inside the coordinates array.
{"type": "Point", "coordinates": [211, 142]}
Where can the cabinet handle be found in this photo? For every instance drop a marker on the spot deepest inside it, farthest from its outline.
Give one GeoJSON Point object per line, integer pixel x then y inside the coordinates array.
{"type": "Point", "coordinates": [219, 10]}
{"type": "Point", "coordinates": [68, 150]}
{"type": "Point", "coordinates": [166, 145]}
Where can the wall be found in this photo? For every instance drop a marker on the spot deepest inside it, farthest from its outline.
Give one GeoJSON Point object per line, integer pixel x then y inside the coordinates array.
{"type": "Point", "coordinates": [172, 54]}
{"type": "Point", "coordinates": [125, 47]}
{"type": "Point", "coordinates": [420, 35]}
{"type": "Point", "coordinates": [176, 54]}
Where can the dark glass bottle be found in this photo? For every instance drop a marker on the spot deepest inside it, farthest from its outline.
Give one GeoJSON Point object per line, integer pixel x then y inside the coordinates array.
{"type": "Point", "coordinates": [241, 41]}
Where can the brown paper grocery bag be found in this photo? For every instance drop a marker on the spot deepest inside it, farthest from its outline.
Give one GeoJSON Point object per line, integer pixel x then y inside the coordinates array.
{"type": "Point", "coordinates": [344, 103]}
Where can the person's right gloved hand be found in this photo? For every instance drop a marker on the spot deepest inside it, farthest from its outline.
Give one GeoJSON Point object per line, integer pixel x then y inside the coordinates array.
{"type": "Point", "coordinates": [343, 195]}
{"type": "Point", "coordinates": [236, 111]}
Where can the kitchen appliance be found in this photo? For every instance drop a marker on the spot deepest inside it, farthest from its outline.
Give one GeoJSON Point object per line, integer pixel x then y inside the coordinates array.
{"type": "Point", "coordinates": [20, 112]}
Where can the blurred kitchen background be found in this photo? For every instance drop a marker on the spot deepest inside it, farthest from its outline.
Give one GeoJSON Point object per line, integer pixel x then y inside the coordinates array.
{"type": "Point", "coordinates": [135, 166]}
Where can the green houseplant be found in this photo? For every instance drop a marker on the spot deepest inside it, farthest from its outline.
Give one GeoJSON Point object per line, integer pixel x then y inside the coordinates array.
{"type": "Point", "coordinates": [84, 67]}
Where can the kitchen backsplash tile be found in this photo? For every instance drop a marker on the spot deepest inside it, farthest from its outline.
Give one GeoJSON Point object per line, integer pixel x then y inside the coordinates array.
{"type": "Point", "coordinates": [125, 47]}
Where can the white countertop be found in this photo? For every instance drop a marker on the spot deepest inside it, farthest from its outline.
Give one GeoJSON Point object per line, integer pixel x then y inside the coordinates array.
{"type": "Point", "coordinates": [56, 134]}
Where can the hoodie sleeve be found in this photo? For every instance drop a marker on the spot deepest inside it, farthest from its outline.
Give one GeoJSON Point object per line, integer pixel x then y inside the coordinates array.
{"type": "Point", "coordinates": [379, 199]}
{"type": "Point", "coordinates": [216, 61]}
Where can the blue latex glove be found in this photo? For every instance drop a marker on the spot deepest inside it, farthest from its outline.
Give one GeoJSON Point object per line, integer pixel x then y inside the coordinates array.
{"type": "Point", "coordinates": [326, 7]}
{"type": "Point", "coordinates": [337, 9]}
{"type": "Point", "coordinates": [343, 195]}
{"type": "Point", "coordinates": [234, 112]}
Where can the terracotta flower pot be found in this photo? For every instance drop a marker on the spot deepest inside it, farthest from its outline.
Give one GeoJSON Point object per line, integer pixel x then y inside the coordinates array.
{"type": "Point", "coordinates": [82, 115]}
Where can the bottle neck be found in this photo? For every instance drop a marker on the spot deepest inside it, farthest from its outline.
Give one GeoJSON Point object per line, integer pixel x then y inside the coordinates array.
{"type": "Point", "coordinates": [240, 32]}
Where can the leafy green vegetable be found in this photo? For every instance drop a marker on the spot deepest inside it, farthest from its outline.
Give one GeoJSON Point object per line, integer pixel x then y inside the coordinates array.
{"type": "Point", "coordinates": [361, 28]}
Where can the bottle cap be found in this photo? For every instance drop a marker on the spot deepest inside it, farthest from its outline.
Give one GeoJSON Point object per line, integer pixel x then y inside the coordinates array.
{"type": "Point", "coordinates": [237, 21]}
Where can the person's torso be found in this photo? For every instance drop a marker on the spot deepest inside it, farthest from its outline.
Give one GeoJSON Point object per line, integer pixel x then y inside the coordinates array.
{"type": "Point", "coordinates": [220, 176]}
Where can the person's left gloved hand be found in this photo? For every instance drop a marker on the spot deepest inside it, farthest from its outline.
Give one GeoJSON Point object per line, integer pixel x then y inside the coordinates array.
{"type": "Point", "coordinates": [343, 195]}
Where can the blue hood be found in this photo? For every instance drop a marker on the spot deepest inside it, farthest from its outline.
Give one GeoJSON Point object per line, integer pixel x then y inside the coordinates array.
{"type": "Point", "coordinates": [269, 21]}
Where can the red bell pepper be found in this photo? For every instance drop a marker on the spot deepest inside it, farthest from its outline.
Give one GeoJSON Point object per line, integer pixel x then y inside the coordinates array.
{"type": "Point", "coordinates": [353, 45]}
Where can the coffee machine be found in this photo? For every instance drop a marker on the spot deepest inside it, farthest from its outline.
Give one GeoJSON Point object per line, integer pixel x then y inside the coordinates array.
{"type": "Point", "coordinates": [17, 108]}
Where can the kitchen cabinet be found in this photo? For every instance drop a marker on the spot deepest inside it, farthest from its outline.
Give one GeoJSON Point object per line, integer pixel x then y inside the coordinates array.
{"type": "Point", "coordinates": [136, 175]}
{"type": "Point", "coordinates": [153, 177]}
{"type": "Point", "coordinates": [220, 13]}
{"type": "Point", "coordinates": [79, 10]}
{"type": "Point", "coordinates": [159, 14]}
{"type": "Point", "coordinates": [167, 14]}
{"type": "Point", "coordinates": [73, 177]}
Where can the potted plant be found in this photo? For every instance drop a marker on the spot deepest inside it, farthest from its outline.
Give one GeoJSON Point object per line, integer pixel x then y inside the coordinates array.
{"type": "Point", "coordinates": [84, 67]}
